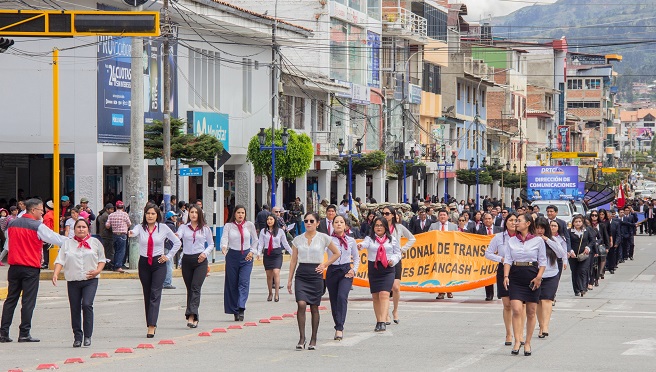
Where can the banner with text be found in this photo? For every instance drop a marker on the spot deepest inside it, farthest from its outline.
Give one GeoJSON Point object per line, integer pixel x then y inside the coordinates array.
{"type": "Point", "coordinates": [441, 262]}
{"type": "Point", "coordinates": [554, 183]}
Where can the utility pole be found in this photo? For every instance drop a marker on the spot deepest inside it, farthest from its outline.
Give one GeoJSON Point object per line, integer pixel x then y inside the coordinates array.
{"type": "Point", "coordinates": [166, 124]}
{"type": "Point", "coordinates": [136, 180]}
{"type": "Point", "coordinates": [275, 82]}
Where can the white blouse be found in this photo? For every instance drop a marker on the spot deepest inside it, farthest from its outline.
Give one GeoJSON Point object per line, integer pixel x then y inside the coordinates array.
{"type": "Point", "coordinates": [401, 231]}
{"type": "Point", "coordinates": [278, 241]}
{"type": "Point", "coordinates": [160, 234]}
{"type": "Point", "coordinates": [347, 254]}
{"type": "Point", "coordinates": [78, 261]}
{"type": "Point", "coordinates": [559, 246]}
{"type": "Point", "coordinates": [531, 250]}
{"type": "Point", "coordinates": [195, 243]}
{"type": "Point", "coordinates": [498, 246]}
{"type": "Point", "coordinates": [392, 249]}
{"type": "Point", "coordinates": [231, 238]}
{"type": "Point", "coordinates": [313, 251]}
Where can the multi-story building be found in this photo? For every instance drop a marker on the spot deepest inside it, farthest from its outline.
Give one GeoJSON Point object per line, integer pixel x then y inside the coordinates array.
{"type": "Point", "coordinates": [635, 132]}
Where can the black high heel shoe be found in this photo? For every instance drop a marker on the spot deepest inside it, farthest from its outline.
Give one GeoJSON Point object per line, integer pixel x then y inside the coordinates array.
{"type": "Point", "coordinates": [339, 338]}
{"type": "Point", "coordinates": [527, 353]}
{"type": "Point", "coordinates": [269, 298]}
{"type": "Point", "coordinates": [151, 335]}
{"type": "Point", "coordinates": [241, 315]}
{"type": "Point", "coordinates": [276, 298]}
{"type": "Point", "coordinates": [236, 317]}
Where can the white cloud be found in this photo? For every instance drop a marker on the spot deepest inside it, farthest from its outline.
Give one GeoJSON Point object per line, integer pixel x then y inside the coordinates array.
{"type": "Point", "coordinates": [485, 9]}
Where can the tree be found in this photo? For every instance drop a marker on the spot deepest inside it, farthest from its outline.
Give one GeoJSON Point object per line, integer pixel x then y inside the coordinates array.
{"type": "Point", "coordinates": [468, 177]}
{"type": "Point", "coordinates": [368, 162]}
{"type": "Point", "coordinates": [395, 170]}
{"type": "Point", "coordinates": [514, 181]}
{"type": "Point", "coordinates": [189, 148]}
{"type": "Point", "coordinates": [290, 164]}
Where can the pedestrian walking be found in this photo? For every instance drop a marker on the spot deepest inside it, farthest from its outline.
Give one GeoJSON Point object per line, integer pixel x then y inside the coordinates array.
{"type": "Point", "coordinates": [171, 220]}
{"type": "Point", "coordinates": [339, 276]}
{"type": "Point", "coordinates": [556, 248]}
{"type": "Point", "coordinates": [105, 233]}
{"type": "Point", "coordinates": [69, 231]}
{"type": "Point", "coordinates": [25, 237]}
{"type": "Point", "coordinates": [82, 258]}
{"type": "Point", "coordinates": [197, 245]}
{"type": "Point", "coordinates": [308, 251]}
{"type": "Point", "coordinates": [383, 252]}
{"type": "Point", "coordinates": [119, 222]}
{"type": "Point", "coordinates": [274, 240]}
{"type": "Point", "coordinates": [488, 228]}
{"type": "Point", "coordinates": [579, 255]}
{"type": "Point", "coordinates": [151, 234]}
{"type": "Point", "coordinates": [239, 245]}
{"type": "Point", "coordinates": [398, 231]}
{"type": "Point", "coordinates": [524, 264]}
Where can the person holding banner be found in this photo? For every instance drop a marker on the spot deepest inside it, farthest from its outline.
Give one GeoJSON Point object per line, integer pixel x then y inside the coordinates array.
{"type": "Point", "coordinates": [383, 252]}
{"type": "Point", "coordinates": [443, 224]}
{"type": "Point", "coordinates": [273, 238]}
{"type": "Point", "coordinates": [524, 264]}
{"type": "Point", "coordinates": [308, 250]}
{"type": "Point", "coordinates": [339, 276]}
{"type": "Point", "coordinates": [398, 231]}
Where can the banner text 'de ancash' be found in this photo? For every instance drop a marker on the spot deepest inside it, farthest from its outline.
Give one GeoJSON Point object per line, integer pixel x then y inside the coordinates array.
{"type": "Point", "coordinates": [441, 262]}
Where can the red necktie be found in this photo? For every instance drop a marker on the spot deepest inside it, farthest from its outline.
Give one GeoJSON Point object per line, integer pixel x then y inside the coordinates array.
{"type": "Point", "coordinates": [83, 242]}
{"type": "Point", "coordinates": [381, 255]}
{"type": "Point", "coordinates": [460, 229]}
{"type": "Point", "coordinates": [240, 226]}
{"type": "Point", "coordinates": [488, 231]}
{"type": "Point", "coordinates": [330, 227]}
{"type": "Point", "coordinates": [443, 227]}
{"type": "Point", "coordinates": [342, 241]}
{"type": "Point", "coordinates": [151, 246]}
{"type": "Point", "coordinates": [270, 244]}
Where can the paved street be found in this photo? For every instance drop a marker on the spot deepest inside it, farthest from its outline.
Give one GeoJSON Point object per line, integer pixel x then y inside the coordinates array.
{"type": "Point", "coordinates": [610, 329]}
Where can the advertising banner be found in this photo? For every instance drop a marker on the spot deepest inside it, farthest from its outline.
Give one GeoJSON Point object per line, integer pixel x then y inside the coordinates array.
{"type": "Point", "coordinates": [215, 124]}
{"type": "Point", "coordinates": [373, 62]}
{"type": "Point", "coordinates": [114, 100]}
{"type": "Point", "coordinates": [441, 262]}
{"type": "Point", "coordinates": [563, 138]}
{"type": "Point", "coordinates": [554, 183]}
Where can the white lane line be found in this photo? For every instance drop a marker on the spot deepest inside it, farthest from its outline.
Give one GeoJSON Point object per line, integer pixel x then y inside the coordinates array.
{"type": "Point", "coordinates": [357, 338]}
{"type": "Point", "coordinates": [467, 361]}
{"type": "Point", "coordinates": [644, 277]}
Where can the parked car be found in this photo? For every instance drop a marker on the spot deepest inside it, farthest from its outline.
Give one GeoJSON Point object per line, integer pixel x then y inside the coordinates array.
{"type": "Point", "coordinates": [565, 209]}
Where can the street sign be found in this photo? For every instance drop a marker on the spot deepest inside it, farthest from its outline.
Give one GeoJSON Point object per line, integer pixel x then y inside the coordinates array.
{"type": "Point", "coordinates": [191, 172]}
{"type": "Point", "coordinates": [210, 179]}
{"type": "Point", "coordinates": [572, 155]}
{"type": "Point", "coordinates": [419, 172]}
{"type": "Point", "coordinates": [223, 158]}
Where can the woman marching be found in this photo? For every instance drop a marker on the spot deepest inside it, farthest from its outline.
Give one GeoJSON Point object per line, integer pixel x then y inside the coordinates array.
{"type": "Point", "coordinates": [581, 243]}
{"type": "Point", "coordinates": [496, 251]}
{"type": "Point", "coordinates": [398, 231]}
{"type": "Point", "coordinates": [556, 248]}
{"type": "Point", "coordinates": [273, 239]}
{"type": "Point", "coordinates": [523, 266]}
{"type": "Point", "coordinates": [383, 252]}
{"type": "Point", "coordinates": [194, 235]}
{"type": "Point", "coordinates": [152, 261]}
{"type": "Point", "coordinates": [599, 234]}
{"type": "Point", "coordinates": [339, 276]}
{"type": "Point", "coordinates": [239, 245]}
{"type": "Point", "coordinates": [83, 258]}
{"type": "Point", "coordinates": [308, 250]}
{"type": "Point", "coordinates": [604, 221]}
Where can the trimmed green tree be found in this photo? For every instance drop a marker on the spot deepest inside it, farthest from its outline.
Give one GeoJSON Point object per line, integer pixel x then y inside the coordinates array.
{"type": "Point", "coordinates": [468, 177]}
{"type": "Point", "coordinates": [189, 148]}
{"type": "Point", "coordinates": [368, 162]}
{"type": "Point", "coordinates": [290, 164]}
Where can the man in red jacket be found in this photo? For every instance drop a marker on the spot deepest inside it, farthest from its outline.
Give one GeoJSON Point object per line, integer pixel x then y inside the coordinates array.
{"type": "Point", "coordinates": [25, 237]}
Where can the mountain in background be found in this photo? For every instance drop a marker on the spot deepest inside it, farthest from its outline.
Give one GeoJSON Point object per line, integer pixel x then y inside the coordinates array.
{"type": "Point", "coordinates": [626, 27]}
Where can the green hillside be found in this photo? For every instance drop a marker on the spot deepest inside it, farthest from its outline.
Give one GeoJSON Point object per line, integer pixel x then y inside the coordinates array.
{"type": "Point", "coordinates": [626, 27]}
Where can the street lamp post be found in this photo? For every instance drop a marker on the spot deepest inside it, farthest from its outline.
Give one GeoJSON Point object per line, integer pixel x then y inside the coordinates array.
{"type": "Point", "coordinates": [350, 155]}
{"type": "Point", "coordinates": [446, 178]}
{"type": "Point", "coordinates": [262, 138]}
{"type": "Point", "coordinates": [404, 161]}
{"type": "Point", "coordinates": [477, 169]}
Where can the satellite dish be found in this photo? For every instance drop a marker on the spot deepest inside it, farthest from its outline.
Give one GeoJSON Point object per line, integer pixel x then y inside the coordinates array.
{"type": "Point", "coordinates": [135, 3]}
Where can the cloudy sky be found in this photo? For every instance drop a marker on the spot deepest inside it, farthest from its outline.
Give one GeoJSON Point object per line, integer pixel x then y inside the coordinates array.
{"type": "Point", "coordinates": [484, 8]}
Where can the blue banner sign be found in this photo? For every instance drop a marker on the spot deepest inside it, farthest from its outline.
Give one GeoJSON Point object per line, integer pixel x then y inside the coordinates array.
{"type": "Point", "coordinates": [215, 124]}
{"type": "Point", "coordinates": [553, 183]}
{"type": "Point", "coordinates": [191, 172]}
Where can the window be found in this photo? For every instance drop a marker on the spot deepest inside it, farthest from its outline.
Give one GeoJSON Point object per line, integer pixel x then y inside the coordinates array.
{"type": "Point", "coordinates": [586, 104]}
{"type": "Point", "coordinates": [247, 84]}
{"type": "Point", "coordinates": [373, 127]}
{"type": "Point", "coordinates": [468, 90]}
{"type": "Point", "coordinates": [483, 98]}
{"type": "Point", "coordinates": [458, 92]}
{"type": "Point", "coordinates": [549, 103]}
{"type": "Point", "coordinates": [321, 116]}
{"type": "Point", "coordinates": [574, 84]}
{"type": "Point", "coordinates": [338, 50]}
{"type": "Point", "coordinates": [285, 107]}
{"type": "Point", "coordinates": [299, 113]}
{"type": "Point", "coordinates": [204, 78]}
{"type": "Point", "coordinates": [458, 134]}
{"type": "Point", "coordinates": [373, 9]}
{"type": "Point", "coordinates": [592, 83]}
{"type": "Point", "coordinates": [431, 79]}
{"type": "Point", "coordinates": [468, 134]}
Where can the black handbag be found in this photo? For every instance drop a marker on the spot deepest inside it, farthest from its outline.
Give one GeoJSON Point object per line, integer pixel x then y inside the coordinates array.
{"type": "Point", "coordinates": [601, 250]}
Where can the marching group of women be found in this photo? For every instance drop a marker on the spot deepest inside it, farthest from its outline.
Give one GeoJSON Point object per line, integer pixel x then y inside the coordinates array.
{"type": "Point", "coordinates": [532, 252]}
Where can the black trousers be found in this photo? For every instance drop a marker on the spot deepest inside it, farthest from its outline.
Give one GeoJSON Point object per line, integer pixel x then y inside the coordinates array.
{"type": "Point", "coordinates": [338, 291]}
{"type": "Point", "coordinates": [611, 258]}
{"type": "Point", "coordinates": [80, 297]}
{"type": "Point", "coordinates": [489, 291]}
{"type": "Point", "coordinates": [20, 279]}
{"type": "Point", "coordinates": [625, 246]}
{"type": "Point", "coordinates": [193, 274]}
{"type": "Point", "coordinates": [152, 280]}
{"type": "Point", "coordinates": [580, 274]}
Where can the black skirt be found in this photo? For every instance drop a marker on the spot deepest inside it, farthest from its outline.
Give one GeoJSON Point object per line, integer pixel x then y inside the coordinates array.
{"type": "Point", "coordinates": [549, 287]}
{"type": "Point", "coordinates": [274, 260]}
{"type": "Point", "coordinates": [398, 270]}
{"type": "Point", "coordinates": [501, 290]}
{"type": "Point", "coordinates": [382, 278]}
{"type": "Point", "coordinates": [519, 279]}
{"type": "Point", "coordinates": [309, 284]}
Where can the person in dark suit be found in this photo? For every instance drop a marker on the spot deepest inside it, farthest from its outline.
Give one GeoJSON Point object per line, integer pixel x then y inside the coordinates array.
{"type": "Point", "coordinates": [326, 224]}
{"type": "Point", "coordinates": [488, 228]}
{"type": "Point", "coordinates": [496, 216]}
{"type": "Point", "coordinates": [421, 224]}
{"type": "Point", "coordinates": [627, 230]}
{"type": "Point", "coordinates": [611, 258]}
{"type": "Point", "coordinates": [650, 215]}
{"type": "Point", "coordinates": [552, 213]}
{"type": "Point", "coordinates": [443, 224]}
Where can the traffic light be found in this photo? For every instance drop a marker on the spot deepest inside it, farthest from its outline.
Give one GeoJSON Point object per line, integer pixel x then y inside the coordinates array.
{"type": "Point", "coordinates": [5, 44]}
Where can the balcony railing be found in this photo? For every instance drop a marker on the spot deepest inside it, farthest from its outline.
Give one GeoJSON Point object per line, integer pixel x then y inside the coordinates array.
{"type": "Point", "coordinates": [402, 21]}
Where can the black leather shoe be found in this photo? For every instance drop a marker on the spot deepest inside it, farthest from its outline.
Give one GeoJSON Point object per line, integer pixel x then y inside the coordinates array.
{"type": "Point", "coordinates": [4, 339]}
{"type": "Point", "coordinates": [489, 298]}
{"type": "Point", "coordinates": [77, 343]}
{"type": "Point", "coordinates": [28, 339]}
{"type": "Point", "coordinates": [377, 329]}
{"type": "Point", "coordinates": [236, 317]}
{"type": "Point", "coordinates": [383, 327]}
{"type": "Point", "coordinates": [241, 315]}
{"type": "Point", "coordinates": [87, 341]}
